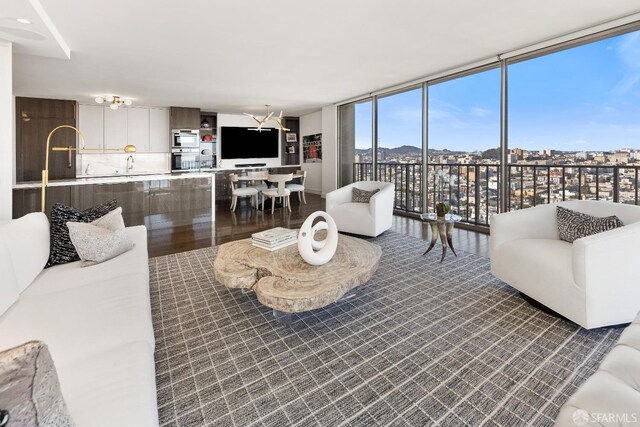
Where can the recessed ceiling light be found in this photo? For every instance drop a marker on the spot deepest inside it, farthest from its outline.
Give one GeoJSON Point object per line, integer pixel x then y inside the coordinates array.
{"type": "Point", "coordinates": [23, 21]}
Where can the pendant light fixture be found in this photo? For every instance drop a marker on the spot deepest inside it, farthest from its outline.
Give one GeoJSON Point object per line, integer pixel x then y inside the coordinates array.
{"type": "Point", "coordinates": [268, 116]}
{"type": "Point", "coordinates": [114, 101]}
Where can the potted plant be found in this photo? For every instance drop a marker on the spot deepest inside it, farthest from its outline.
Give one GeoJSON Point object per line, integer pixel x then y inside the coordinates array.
{"type": "Point", "coordinates": [440, 179]}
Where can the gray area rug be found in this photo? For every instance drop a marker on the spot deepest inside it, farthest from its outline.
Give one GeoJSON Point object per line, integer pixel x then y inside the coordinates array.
{"type": "Point", "coordinates": [422, 343]}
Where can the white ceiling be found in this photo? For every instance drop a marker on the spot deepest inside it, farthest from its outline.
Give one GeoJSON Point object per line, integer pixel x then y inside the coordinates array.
{"type": "Point", "coordinates": [233, 56]}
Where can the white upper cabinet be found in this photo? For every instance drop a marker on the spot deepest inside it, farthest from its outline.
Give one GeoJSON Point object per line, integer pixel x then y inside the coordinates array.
{"type": "Point", "coordinates": [104, 128]}
{"type": "Point", "coordinates": [159, 132]}
{"type": "Point", "coordinates": [91, 124]}
{"type": "Point", "coordinates": [115, 128]}
{"type": "Point", "coordinates": [138, 128]}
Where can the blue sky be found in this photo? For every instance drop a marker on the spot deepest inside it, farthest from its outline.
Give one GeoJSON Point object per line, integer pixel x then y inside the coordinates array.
{"type": "Point", "coordinates": [585, 98]}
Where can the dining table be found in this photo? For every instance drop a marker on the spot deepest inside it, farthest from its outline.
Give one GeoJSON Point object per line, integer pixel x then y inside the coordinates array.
{"type": "Point", "coordinates": [254, 178]}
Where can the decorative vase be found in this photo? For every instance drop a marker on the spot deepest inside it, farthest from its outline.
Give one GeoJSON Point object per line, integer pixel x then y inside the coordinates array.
{"type": "Point", "coordinates": [318, 252]}
{"type": "Point", "coordinates": [441, 210]}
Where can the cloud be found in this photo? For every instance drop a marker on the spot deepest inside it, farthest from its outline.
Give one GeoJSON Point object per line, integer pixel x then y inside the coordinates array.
{"type": "Point", "coordinates": [609, 109]}
{"type": "Point", "coordinates": [579, 142]}
{"type": "Point", "coordinates": [481, 112]}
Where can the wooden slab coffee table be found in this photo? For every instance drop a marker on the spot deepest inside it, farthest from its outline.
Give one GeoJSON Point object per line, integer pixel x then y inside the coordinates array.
{"type": "Point", "coordinates": [287, 284]}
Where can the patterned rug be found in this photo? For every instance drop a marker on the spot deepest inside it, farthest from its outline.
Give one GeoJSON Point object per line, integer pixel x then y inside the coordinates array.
{"type": "Point", "coordinates": [422, 343]}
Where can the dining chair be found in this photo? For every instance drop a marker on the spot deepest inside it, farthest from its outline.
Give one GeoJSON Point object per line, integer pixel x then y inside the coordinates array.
{"type": "Point", "coordinates": [299, 188]}
{"type": "Point", "coordinates": [279, 191]}
{"type": "Point", "coordinates": [260, 177]}
{"type": "Point", "coordinates": [237, 191]}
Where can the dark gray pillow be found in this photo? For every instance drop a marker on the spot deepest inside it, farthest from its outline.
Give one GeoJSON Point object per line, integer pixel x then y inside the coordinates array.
{"type": "Point", "coordinates": [29, 387]}
{"type": "Point", "coordinates": [62, 250]}
{"type": "Point", "coordinates": [362, 196]}
{"type": "Point", "coordinates": [573, 225]}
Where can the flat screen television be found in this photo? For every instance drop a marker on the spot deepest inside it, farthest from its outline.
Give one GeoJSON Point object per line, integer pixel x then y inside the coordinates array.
{"type": "Point", "coordinates": [243, 143]}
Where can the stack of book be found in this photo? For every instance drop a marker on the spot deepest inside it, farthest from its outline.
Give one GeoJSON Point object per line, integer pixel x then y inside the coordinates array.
{"type": "Point", "coordinates": [274, 239]}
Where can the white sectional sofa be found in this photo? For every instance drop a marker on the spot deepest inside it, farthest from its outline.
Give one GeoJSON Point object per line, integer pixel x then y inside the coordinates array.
{"type": "Point", "coordinates": [592, 281]}
{"type": "Point", "coordinates": [95, 320]}
{"type": "Point", "coordinates": [366, 219]}
{"type": "Point", "coordinates": [611, 396]}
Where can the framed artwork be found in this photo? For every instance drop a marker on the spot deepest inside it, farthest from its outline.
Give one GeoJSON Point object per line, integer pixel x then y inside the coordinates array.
{"type": "Point", "coordinates": [312, 148]}
{"type": "Point", "coordinates": [292, 137]}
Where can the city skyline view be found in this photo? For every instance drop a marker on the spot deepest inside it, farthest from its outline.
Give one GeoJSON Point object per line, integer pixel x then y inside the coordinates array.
{"type": "Point", "coordinates": [585, 98]}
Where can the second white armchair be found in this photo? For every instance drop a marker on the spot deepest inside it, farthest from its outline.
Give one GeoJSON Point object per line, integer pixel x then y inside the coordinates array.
{"type": "Point", "coordinates": [592, 281]}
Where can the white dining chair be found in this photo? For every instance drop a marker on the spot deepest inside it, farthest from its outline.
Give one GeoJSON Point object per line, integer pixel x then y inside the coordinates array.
{"type": "Point", "coordinates": [299, 188]}
{"type": "Point", "coordinates": [260, 178]}
{"type": "Point", "coordinates": [237, 191]}
{"type": "Point", "coordinates": [278, 191]}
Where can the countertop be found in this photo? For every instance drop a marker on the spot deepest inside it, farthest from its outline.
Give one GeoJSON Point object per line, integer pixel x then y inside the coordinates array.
{"type": "Point", "coordinates": [115, 179]}
{"type": "Point", "coordinates": [86, 180]}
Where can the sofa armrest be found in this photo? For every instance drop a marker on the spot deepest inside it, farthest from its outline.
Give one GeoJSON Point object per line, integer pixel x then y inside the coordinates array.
{"type": "Point", "coordinates": [338, 197]}
{"type": "Point", "coordinates": [605, 266]}
{"type": "Point", "coordinates": [532, 223]}
{"type": "Point", "coordinates": [381, 203]}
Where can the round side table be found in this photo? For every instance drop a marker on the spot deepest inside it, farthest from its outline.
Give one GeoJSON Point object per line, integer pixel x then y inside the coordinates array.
{"type": "Point", "coordinates": [442, 227]}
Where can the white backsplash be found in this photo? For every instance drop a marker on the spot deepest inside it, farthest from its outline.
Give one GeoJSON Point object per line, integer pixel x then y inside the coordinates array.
{"type": "Point", "coordinates": [116, 164]}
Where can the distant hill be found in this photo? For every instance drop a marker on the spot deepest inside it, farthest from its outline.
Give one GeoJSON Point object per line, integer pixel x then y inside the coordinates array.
{"type": "Point", "coordinates": [406, 150]}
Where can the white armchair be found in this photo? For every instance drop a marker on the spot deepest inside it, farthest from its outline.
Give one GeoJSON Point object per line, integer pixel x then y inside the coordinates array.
{"type": "Point", "coordinates": [591, 282]}
{"type": "Point", "coordinates": [367, 219]}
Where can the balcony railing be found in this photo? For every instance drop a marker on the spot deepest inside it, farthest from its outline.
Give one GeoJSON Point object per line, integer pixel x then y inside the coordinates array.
{"type": "Point", "coordinates": [531, 185]}
{"type": "Point", "coordinates": [476, 193]}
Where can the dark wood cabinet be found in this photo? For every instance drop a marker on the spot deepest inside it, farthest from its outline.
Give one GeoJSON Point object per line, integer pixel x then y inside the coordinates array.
{"type": "Point", "coordinates": [157, 204]}
{"type": "Point", "coordinates": [130, 195]}
{"type": "Point", "coordinates": [35, 118]}
{"type": "Point", "coordinates": [288, 157]}
{"type": "Point", "coordinates": [184, 118]}
{"type": "Point", "coordinates": [28, 200]}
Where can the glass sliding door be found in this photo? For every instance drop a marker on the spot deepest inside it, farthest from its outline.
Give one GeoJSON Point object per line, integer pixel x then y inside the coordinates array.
{"type": "Point", "coordinates": [464, 145]}
{"type": "Point", "coordinates": [574, 124]}
{"type": "Point", "coordinates": [399, 146]}
{"type": "Point", "coordinates": [356, 142]}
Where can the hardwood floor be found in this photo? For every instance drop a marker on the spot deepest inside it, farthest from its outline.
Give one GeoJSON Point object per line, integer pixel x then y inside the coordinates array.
{"type": "Point", "coordinates": [246, 221]}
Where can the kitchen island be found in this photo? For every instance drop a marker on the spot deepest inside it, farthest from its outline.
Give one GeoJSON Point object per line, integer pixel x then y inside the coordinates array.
{"type": "Point", "coordinates": [155, 200]}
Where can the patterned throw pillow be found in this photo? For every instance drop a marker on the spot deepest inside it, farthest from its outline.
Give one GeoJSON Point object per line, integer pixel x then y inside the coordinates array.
{"type": "Point", "coordinates": [62, 250]}
{"type": "Point", "coordinates": [362, 196]}
{"type": "Point", "coordinates": [573, 225]}
{"type": "Point", "coordinates": [103, 239]}
{"type": "Point", "coordinates": [29, 387]}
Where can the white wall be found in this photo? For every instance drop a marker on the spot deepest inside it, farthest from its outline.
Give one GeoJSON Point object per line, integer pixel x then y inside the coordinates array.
{"type": "Point", "coordinates": [329, 149]}
{"type": "Point", "coordinates": [7, 143]}
{"type": "Point", "coordinates": [240, 120]}
{"type": "Point", "coordinates": [311, 124]}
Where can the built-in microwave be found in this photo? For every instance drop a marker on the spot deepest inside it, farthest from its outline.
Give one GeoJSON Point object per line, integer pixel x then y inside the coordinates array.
{"type": "Point", "coordinates": [185, 159]}
{"type": "Point", "coordinates": [185, 138]}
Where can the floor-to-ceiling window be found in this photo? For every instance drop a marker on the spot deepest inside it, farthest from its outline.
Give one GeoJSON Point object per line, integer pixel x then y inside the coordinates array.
{"type": "Point", "coordinates": [464, 143]}
{"type": "Point", "coordinates": [573, 116]}
{"type": "Point", "coordinates": [573, 121]}
{"type": "Point", "coordinates": [356, 141]}
{"type": "Point", "coordinates": [399, 146]}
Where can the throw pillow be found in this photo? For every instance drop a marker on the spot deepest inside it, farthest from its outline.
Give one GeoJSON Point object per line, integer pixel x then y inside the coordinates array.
{"type": "Point", "coordinates": [362, 196]}
{"type": "Point", "coordinates": [29, 387]}
{"type": "Point", "coordinates": [573, 225]}
{"type": "Point", "coordinates": [103, 239]}
{"type": "Point", "coordinates": [112, 221]}
{"type": "Point", "coordinates": [62, 250]}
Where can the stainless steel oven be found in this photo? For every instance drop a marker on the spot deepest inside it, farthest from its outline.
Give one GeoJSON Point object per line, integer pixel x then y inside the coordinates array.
{"type": "Point", "coordinates": [185, 159]}
{"type": "Point", "coordinates": [185, 138]}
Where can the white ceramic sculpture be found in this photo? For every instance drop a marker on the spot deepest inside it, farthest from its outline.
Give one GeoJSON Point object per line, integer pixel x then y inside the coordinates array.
{"type": "Point", "coordinates": [318, 252]}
